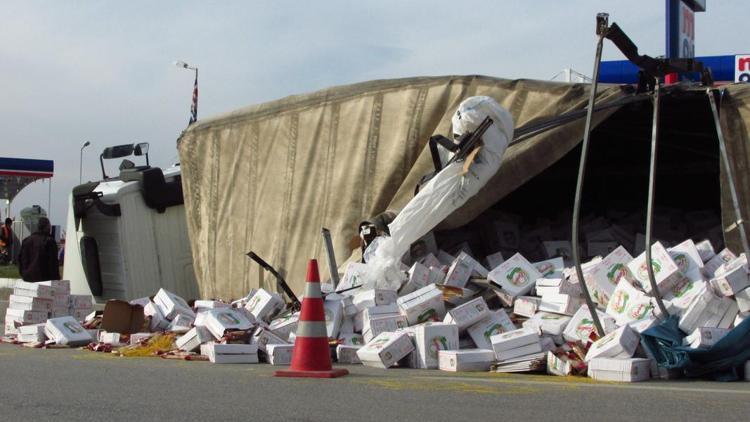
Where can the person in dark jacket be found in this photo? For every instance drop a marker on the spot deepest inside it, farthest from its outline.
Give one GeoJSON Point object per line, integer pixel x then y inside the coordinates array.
{"type": "Point", "coordinates": [38, 259]}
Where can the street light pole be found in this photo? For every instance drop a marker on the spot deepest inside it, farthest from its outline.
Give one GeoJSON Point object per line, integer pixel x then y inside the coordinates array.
{"type": "Point", "coordinates": [194, 103]}
{"type": "Point", "coordinates": [80, 162]}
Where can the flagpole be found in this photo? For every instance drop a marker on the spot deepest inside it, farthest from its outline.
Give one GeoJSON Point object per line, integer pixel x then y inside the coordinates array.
{"type": "Point", "coordinates": [194, 102]}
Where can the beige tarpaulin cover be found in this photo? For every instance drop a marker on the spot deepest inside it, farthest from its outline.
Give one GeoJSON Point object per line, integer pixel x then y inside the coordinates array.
{"type": "Point", "coordinates": [268, 177]}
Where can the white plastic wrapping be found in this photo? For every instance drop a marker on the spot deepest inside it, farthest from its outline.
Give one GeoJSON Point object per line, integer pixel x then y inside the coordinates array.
{"type": "Point", "coordinates": [444, 193]}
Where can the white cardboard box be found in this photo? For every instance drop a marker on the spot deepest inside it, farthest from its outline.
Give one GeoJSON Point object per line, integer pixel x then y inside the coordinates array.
{"type": "Point", "coordinates": [558, 365]}
{"type": "Point", "coordinates": [419, 276]}
{"type": "Point", "coordinates": [478, 269]}
{"type": "Point", "coordinates": [28, 303]}
{"type": "Point", "coordinates": [353, 276]}
{"type": "Point", "coordinates": [374, 297]}
{"type": "Point", "coordinates": [526, 306]}
{"type": "Point", "coordinates": [209, 304]}
{"type": "Point", "coordinates": [518, 352]}
{"type": "Point", "coordinates": [705, 250]}
{"type": "Point", "coordinates": [26, 317]}
{"type": "Point", "coordinates": [425, 304]}
{"type": "Point", "coordinates": [383, 323]}
{"type": "Point", "coordinates": [193, 339]}
{"type": "Point", "coordinates": [22, 288]}
{"type": "Point", "coordinates": [31, 333]}
{"type": "Point", "coordinates": [67, 331]}
{"type": "Point", "coordinates": [701, 309]}
{"type": "Point", "coordinates": [619, 343]}
{"type": "Point", "coordinates": [284, 326]}
{"type": "Point", "coordinates": [347, 354]}
{"type": "Point", "coordinates": [721, 258]}
{"type": "Point", "coordinates": [733, 277]}
{"type": "Point", "coordinates": [494, 260]}
{"type": "Point", "coordinates": [514, 339]}
{"type": "Point", "coordinates": [170, 305]}
{"type": "Point", "coordinates": [59, 287]}
{"type": "Point", "coordinates": [263, 337]}
{"type": "Point", "coordinates": [80, 301]}
{"type": "Point", "coordinates": [280, 354]}
{"type": "Point", "coordinates": [547, 323]}
{"type": "Point", "coordinates": [386, 349]}
{"type": "Point", "coordinates": [468, 314]}
{"type": "Point", "coordinates": [465, 360]}
{"type": "Point", "coordinates": [562, 286]}
{"type": "Point", "coordinates": [743, 300]}
{"type": "Point", "coordinates": [550, 268]}
{"type": "Point", "coordinates": [516, 275]}
{"type": "Point", "coordinates": [666, 272]}
{"type": "Point", "coordinates": [352, 339]}
{"type": "Point", "coordinates": [231, 353]}
{"type": "Point", "coordinates": [688, 260]}
{"type": "Point", "coordinates": [605, 276]}
{"type": "Point", "coordinates": [459, 271]}
{"type": "Point", "coordinates": [264, 305]}
{"type": "Point", "coordinates": [496, 322]}
{"type": "Point", "coordinates": [705, 337]}
{"type": "Point", "coordinates": [221, 319]}
{"type": "Point", "coordinates": [629, 304]}
{"type": "Point", "coordinates": [334, 314]}
{"type": "Point", "coordinates": [559, 304]}
{"type": "Point", "coordinates": [622, 370]}
{"type": "Point", "coordinates": [430, 338]}
{"type": "Point", "coordinates": [581, 325]}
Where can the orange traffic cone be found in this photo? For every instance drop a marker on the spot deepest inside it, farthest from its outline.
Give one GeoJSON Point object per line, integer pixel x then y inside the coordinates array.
{"type": "Point", "coordinates": [311, 356]}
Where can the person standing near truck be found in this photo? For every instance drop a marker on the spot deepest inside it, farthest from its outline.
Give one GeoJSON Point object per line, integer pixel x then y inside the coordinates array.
{"type": "Point", "coordinates": [38, 258]}
{"type": "Point", "coordinates": [6, 242]}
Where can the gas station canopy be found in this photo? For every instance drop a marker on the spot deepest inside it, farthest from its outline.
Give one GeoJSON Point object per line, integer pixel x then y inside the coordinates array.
{"type": "Point", "coordinates": [17, 173]}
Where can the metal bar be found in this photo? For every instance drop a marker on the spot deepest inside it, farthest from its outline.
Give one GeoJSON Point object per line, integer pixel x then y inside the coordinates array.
{"type": "Point", "coordinates": [740, 222]}
{"type": "Point", "coordinates": [601, 32]}
{"type": "Point", "coordinates": [650, 206]}
{"type": "Point", "coordinates": [332, 267]}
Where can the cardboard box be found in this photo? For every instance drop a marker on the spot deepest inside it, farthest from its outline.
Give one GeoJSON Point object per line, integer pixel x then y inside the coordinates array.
{"type": "Point", "coordinates": [105, 337]}
{"type": "Point", "coordinates": [193, 339]}
{"type": "Point", "coordinates": [136, 338]}
{"type": "Point", "coordinates": [28, 303]}
{"type": "Point", "coordinates": [550, 268]}
{"type": "Point", "coordinates": [283, 326]}
{"type": "Point", "coordinates": [386, 349]}
{"type": "Point", "coordinates": [561, 286]}
{"type": "Point", "coordinates": [80, 302]}
{"type": "Point", "coordinates": [666, 272]}
{"type": "Point", "coordinates": [581, 325]}
{"type": "Point", "coordinates": [231, 353]}
{"type": "Point", "coordinates": [559, 248]}
{"type": "Point", "coordinates": [733, 277]}
{"type": "Point", "coordinates": [181, 324]}
{"type": "Point", "coordinates": [559, 365]}
{"type": "Point", "coordinates": [374, 297]}
{"type": "Point", "coordinates": [209, 304]}
{"type": "Point", "coordinates": [526, 306]}
{"type": "Point", "coordinates": [419, 276]}
{"type": "Point", "coordinates": [629, 304]}
{"type": "Point", "coordinates": [445, 258]}
{"type": "Point", "coordinates": [605, 276]}
{"type": "Point", "coordinates": [347, 354]}
{"type": "Point", "coordinates": [621, 370]}
{"type": "Point", "coordinates": [547, 323]}
{"type": "Point", "coordinates": [721, 258]}
{"type": "Point", "coordinates": [425, 304]}
{"type": "Point", "coordinates": [67, 331]}
{"type": "Point", "coordinates": [264, 305]}
{"type": "Point", "coordinates": [478, 269]}
{"type": "Point", "coordinates": [430, 260]}
{"type": "Point", "coordinates": [59, 287]}
{"type": "Point", "coordinates": [262, 337]}
{"type": "Point", "coordinates": [430, 338]}
{"type": "Point", "coordinates": [465, 360]}
{"type": "Point", "coordinates": [495, 323]}
{"type": "Point", "coordinates": [559, 304]}
{"type": "Point", "coordinates": [704, 337]}
{"type": "Point", "coordinates": [122, 317]}
{"type": "Point", "coordinates": [157, 320]}
{"type": "Point", "coordinates": [10, 327]}
{"type": "Point", "coordinates": [705, 250]}
{"type": "Point", "coordinates": [353, 276]}
{"type": "Point", "coordinates": [494, 260]}
{"type": "Point", "coordinates": [514, 339]}
{"type": "Point", "coordinates": [374, 312]}
{"type": "Point", "coordinates": [334, 314]}
{"type": "Point", "coordinates": [170, 305]}
{"type": "Point", "coordinates": [31, 333]}
{"type": "Point", "coordinates": [22, 288]}
{"type": "Point", "coordinates": [468, 314]}
{"type": "Point", "coordinates": [279, 354]}
{"type": "Point", "coordinates": [688, 260]}
{"type": "Point", "coordinates": [61, 301]}
{"type": "Point", "coordinates": [619, 343]}
{"type": "Point", "coordinates": [382, 323]}
{"type": "Point", "coordinates": [351, 339]}
{"type": "Point", "coordinates": [26, 317]}
{"type": "Point", "coordinates": [519, 352]}
{"type": "Point", "coordinates": [704, 305]}
{"type": "Point", "coordinates": [743, 300]}
{"type": "Point", "coordinates": [516, 275]}
{"type": "Point", "coordinates": [219, 320]}
{"type": "Point", "coordinates": [459, 272]}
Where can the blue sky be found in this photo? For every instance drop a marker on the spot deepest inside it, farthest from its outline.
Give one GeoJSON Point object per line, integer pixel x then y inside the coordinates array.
{"type": "Point", "coordinates": [102, 71]}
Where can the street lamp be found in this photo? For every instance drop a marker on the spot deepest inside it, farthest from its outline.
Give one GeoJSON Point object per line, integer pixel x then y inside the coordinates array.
{"type": "Point", "coordinates": [194, 103]}
{"type": "Point", "coordinates": [80, 162]}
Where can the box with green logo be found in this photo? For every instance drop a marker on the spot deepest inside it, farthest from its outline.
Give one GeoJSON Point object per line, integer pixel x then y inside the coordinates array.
{"type": "Point", "coordinates": [607, 274]}
{"type": "Point", "coordinates": [347, 354]}
{"type": "Point", "coordinates": [217, 321]}
{"type": "Point", "coordinates": [547, 323]}
{"type": "Point", "coordinates": [468, 314]}
{"type": "Point", "coordinates": [516, 275]}
{"type": "Point", "coordinates": [67, 331]}
{"type": "Point", "coordinates": [496, 322]}
{"type": "Point", "coordinates": [264, 305]}
{"type": "Point", "coordinates": [619, 343]}
{"type": "Point", "coordinates": [386, 349]}
{"type": "Point", "coordinates": [425, 304]}
{"type": "Point", "coordinates": [581, 325]}
{"type": "Point", "coordinates": [465, 360]}
{"type": "Point", "coordinates": [430, 338]}
{"type": "Point", "coordinates": [629, 304]}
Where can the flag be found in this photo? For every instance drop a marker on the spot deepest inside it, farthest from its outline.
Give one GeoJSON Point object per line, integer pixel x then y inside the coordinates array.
{"type": "Point", "coordinates": [194, 105]}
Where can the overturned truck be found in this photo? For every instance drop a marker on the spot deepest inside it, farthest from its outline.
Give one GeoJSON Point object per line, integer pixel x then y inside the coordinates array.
{"type": "Point", "coordinates": [266, 178]}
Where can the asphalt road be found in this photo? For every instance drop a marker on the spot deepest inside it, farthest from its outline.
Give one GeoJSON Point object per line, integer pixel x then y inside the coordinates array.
{"type": "Point", "coordinates": [80, 385]}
